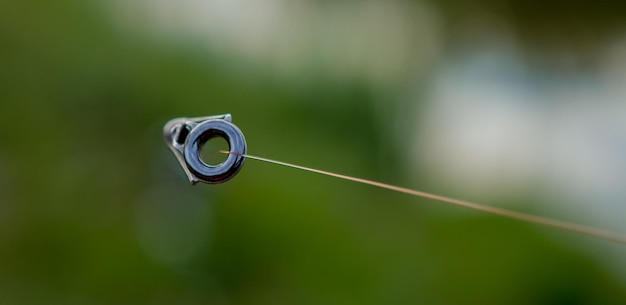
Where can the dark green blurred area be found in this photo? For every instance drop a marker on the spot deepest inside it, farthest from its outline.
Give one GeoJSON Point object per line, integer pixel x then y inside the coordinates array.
{"type": "Point", "coordinates": [95, 210]}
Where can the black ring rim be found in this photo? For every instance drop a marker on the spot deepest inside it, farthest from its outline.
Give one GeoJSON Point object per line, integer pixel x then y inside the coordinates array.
{"type": "Point", "coordinates": [203, 132]}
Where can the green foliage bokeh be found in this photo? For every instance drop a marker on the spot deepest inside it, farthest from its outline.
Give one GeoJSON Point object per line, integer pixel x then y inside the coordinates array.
{"type": "Point", "coordinates": [95, 210]}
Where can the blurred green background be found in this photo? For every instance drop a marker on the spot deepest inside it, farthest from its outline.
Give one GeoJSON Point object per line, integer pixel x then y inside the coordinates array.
{"type": "Point", "coordinates": [518, 104]}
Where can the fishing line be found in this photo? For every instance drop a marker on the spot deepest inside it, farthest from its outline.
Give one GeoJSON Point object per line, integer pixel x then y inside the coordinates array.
{"type": "Point", "coordinates": [544, 221]}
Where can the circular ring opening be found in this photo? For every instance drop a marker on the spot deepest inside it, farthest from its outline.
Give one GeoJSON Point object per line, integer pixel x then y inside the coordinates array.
{"type": "Point", "coordinates": [210, 150]}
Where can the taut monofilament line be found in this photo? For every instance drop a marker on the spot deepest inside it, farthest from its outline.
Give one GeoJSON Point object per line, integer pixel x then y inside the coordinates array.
{"type": "Point", "coordinates": [544, 221]}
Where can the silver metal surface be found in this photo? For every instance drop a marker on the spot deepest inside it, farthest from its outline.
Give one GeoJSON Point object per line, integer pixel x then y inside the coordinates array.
{"type": "Point", "coordinates": [186, 136]}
